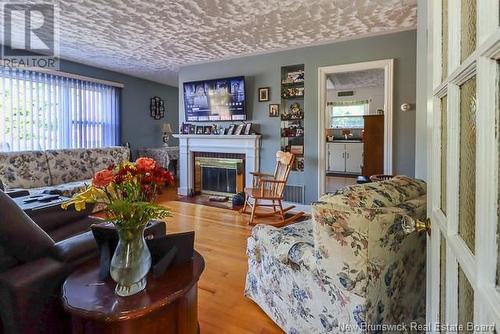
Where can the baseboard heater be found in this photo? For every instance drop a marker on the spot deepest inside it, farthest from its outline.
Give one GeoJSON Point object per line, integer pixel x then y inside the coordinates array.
{"type": "Point", "coordinates": [294, 193]}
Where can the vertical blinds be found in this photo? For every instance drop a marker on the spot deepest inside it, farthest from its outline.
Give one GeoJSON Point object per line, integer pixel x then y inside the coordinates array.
{"type": "Point", "coordinates": [41, 111]}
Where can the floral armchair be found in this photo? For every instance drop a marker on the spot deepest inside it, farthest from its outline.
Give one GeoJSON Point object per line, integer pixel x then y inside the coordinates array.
{"type": "Point", "coordinates": [350, 269]}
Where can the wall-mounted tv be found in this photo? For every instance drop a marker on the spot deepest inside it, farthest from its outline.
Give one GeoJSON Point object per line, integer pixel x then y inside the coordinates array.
{"type": "Point", "coordinates": [215, 100]}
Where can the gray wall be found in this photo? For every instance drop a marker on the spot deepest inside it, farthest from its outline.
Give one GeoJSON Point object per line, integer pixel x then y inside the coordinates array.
{"type": "Point", "coordinates": [137, 127]}
{"type": "Point", "coordinates": [264, 70]}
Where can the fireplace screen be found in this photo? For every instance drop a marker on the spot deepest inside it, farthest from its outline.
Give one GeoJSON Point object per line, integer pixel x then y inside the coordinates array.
{"type": "Point", "coordinates": [219, 176]}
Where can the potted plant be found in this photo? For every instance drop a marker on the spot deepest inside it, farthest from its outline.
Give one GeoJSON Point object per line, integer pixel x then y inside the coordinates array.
{"type": "Point", "coordinates": [127, 193]}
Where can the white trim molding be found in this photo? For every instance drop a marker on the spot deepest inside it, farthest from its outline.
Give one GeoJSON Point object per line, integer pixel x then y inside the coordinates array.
{"type": "Point", "coordinates": [388, 66]}
{"type": "Point", "coordinates": [244, 144]}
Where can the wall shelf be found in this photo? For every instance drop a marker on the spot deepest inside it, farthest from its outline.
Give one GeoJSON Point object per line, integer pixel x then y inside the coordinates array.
{"type": "Point", "coordinates": [292, 103]}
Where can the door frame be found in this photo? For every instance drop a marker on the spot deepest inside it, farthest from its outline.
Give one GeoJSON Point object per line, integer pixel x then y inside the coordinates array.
{"type": "Point", "coordinates": [388, 66]}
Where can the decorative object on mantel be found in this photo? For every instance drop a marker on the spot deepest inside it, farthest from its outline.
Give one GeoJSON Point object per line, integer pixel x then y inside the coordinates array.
{"type": "Point", "coordinates": [248, 128]}
{"type": "Point", "coordinates": [274, 110]}
{"type": "Point", "coordinates": [239, 129]}
{"type": "Point", "coordinates": [167, 131]}
{"type": "Point", "coordinates": [128, 192]}
{"type": "Point", "coordinates": [157, 107]}
{"type": "Point", "coordinates": [264, 94]}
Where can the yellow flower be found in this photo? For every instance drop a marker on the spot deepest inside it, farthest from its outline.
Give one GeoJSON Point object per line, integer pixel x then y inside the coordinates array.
{"type": "Point", "coordinates": [90, 195]}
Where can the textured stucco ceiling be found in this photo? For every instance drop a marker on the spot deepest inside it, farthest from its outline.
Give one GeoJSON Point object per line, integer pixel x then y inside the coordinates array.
{"type": "Point", "coordinates": [356, 79]}
{"type": "Point", "coordinates": [153, 39]}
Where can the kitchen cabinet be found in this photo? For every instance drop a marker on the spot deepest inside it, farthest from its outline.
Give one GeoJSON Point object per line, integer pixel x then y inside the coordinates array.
{"type": "Point", "coordinates": [336, 157]}
{"type": "Point", "coordinates": [345, 157]}
{"type": "Point", "coordinates": [373, 145]}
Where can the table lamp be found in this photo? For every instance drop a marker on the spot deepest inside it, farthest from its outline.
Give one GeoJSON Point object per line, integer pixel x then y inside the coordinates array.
{"type": "Point", "coordinates": [167, 131]}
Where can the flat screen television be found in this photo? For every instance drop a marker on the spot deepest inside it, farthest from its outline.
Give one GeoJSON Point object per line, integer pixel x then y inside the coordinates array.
{"type": "Point", "coordinates": [215, 100]}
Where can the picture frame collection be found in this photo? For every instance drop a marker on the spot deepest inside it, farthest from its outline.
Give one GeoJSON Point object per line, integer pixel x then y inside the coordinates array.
{"type": "Point", "coordinates": [233, 129]}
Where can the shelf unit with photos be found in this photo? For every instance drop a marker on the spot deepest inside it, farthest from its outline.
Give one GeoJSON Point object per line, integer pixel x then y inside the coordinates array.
{"type": "Point", "coordinates": [292, 113]}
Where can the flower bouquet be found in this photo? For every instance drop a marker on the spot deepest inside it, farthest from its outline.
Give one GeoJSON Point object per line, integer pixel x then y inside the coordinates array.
{"type": "Point", "coordinates": [127, 193]}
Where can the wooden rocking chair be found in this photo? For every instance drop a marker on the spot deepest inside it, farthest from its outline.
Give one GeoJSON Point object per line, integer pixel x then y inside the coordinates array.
{"type": "Point", "coordinates": [270, 188]}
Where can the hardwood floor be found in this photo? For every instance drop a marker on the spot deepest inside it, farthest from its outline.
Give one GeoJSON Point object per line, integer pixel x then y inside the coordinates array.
{"type": "Point", "coordinates": [221, 238]}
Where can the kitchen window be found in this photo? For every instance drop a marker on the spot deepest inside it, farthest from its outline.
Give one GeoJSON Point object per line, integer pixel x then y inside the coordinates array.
{"type": "Point", "coordinates": [348, 114]}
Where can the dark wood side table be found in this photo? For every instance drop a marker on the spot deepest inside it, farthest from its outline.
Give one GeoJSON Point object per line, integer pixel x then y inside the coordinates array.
{"type": "Point", "coordinates": [167, 305]}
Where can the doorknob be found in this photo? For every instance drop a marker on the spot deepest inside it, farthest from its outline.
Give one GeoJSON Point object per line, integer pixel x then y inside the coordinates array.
{"type": "Point", "coordinates": [411, 225]}
{"type": "Point", "coordinates": [423, 225]}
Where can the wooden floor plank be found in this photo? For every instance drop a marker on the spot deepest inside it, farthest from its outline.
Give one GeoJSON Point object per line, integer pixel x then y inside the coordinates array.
{"type": "Point", "coordinates": [221, 237]}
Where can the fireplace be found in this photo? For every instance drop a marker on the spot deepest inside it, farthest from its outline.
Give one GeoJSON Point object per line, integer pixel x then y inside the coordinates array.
{"type": "Point", "coordinates": [218, 173]}
{"type": "Point", "coordinates": [245, 147]}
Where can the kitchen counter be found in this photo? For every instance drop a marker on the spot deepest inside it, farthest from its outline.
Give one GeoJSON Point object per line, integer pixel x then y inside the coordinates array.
{"type": "Point", "coordinates": [345, 141]}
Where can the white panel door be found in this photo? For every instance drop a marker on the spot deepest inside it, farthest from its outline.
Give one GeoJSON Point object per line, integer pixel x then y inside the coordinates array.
{"type": "Point", "coordinates": [353, 157]}
{"type": "Point", "coordinates": [463, 265]}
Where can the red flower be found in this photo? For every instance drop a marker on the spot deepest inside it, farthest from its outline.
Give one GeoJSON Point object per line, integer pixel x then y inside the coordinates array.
{"type": "Point", "coordinates": [145, 164]}
{"type": "Point", "coordinates": [103, 178]}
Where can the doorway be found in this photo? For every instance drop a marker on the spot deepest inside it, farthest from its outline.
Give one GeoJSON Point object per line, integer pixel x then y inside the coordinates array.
{"type": "Point", "coordinates": [354, 122]}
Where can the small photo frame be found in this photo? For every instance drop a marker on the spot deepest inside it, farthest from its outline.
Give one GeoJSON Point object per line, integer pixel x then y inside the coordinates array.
{"type": "Point", "coordinates": [264, 94]}
{"type": "Point", "coordinates": [185, 128]}
{"type": "Point", "coordinates": [192, 129]}
{"type": "Point", "coordinates": [230, 130]}
{"type": "Point", "coordinates": [274, 110]}
{"type": "Point", "coordinates": [248, 128]}
{"type": "Point", "coordinates": [200, 130]}
{"type": "Point", "coordinates": [207, 130]}
{"type": "Point", "coordinates": [239, 129]}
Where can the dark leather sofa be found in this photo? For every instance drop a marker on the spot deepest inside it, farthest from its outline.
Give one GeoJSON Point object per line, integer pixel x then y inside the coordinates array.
{"type": "Point", "coordinates": [35, 259]}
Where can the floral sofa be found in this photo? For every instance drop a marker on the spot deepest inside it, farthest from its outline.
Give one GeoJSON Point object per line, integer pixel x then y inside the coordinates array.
{"type": "Point", "coordinates": [66, 170]}
{"type": "Point", "coordinates": [354, 268]}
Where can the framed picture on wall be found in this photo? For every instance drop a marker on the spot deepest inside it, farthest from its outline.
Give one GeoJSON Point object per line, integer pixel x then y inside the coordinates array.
{"type": "Point", "coordinates": [264, 94]}
{"type": "Point", "coordinates": [274, 110]}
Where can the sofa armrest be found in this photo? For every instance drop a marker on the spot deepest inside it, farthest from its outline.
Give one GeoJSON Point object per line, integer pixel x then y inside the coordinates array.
{"type": "Point", "coordinates": [278, 242]}
{"type": "Point", "coordinates": [29, 295]}
{"type": "Point", "coordinates": [78, 248]}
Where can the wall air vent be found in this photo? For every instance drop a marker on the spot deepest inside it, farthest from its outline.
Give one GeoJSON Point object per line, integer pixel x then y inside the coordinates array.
{"type": "Point", "coordinates": [346, 93]}
{"type": "Point", "coordinates": [294, 193]}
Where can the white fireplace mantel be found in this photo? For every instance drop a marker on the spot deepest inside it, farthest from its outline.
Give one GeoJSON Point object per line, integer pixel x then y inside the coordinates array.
{"type": "Point", "coordinates": [249, 145]}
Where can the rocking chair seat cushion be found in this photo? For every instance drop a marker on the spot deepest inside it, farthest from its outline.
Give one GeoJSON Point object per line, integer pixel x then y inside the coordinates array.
{"type": "Point", "coordinates": [259, 194]}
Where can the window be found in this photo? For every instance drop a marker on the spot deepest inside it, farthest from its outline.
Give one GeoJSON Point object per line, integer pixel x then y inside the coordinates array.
{"type": "Point", "coordinates": [348, 114]}
{"type": "Point", "coordinates": [40, 111]}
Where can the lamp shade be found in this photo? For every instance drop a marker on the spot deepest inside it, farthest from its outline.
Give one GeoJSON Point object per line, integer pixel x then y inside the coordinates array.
{"type": "Point", "coordinates": [166, 128]}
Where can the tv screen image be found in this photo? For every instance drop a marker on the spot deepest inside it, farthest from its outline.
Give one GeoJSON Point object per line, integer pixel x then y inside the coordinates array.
{"type": "Point", "coordinates": [215, 100]}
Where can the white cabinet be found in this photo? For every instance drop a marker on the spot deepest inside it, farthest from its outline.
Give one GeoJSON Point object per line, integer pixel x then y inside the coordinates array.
{"type": "Point", "coordinates": [353, 157]}
{"type": "Point", "coordinates": [336, 157]}
{"type": "Point", "coordinates": [344, 157]}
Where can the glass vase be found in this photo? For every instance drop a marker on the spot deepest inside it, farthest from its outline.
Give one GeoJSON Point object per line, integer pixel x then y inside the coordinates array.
{"type": "Point", "coordinates": [131, 261]}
